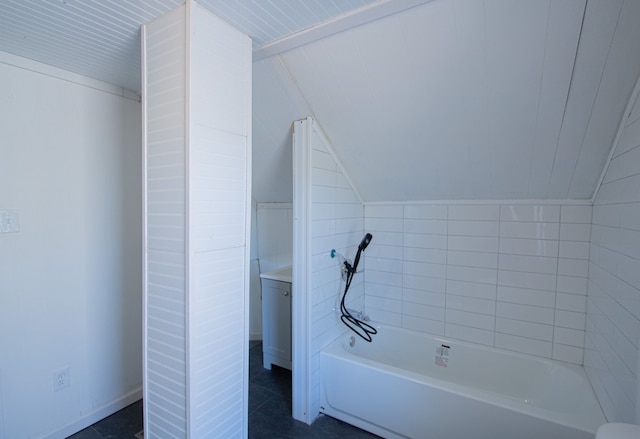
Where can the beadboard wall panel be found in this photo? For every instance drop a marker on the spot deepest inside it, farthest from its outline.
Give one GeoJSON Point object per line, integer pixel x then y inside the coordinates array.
{"type": "Point", "coordinates": [197, 101]}
{"type": "Point", "coordinates": [336, 223]}
{"type": "Point", "coordinates": [219, 169]}
{"type": "Point", "coordinates": [165, 196]}
{"type": "Point", "coordinates": [328, 214]}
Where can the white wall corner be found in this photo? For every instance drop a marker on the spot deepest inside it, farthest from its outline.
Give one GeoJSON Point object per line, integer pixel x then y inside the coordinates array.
{"type": "Point", "coordinates": [616, 140]}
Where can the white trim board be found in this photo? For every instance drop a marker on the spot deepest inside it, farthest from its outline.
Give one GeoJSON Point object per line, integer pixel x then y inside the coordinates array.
{"type": "Point", "coordinates": [65, 75]}
{"type": "Point", "coordinates": [143, 228]}
{"type": "Point", "coordinates": [300, 307]}
{"type": "Point", "coordinates": [98, 414]}
{"type": "Point", "coordinates": [358, 17]}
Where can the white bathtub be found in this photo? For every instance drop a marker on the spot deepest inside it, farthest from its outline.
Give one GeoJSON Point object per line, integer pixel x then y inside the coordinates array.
{"type": "Point", "coordinates": [408, 384]}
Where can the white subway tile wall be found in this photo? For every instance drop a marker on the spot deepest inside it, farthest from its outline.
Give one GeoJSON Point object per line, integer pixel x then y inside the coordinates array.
{"type": "Point", "coordinates": [613, 305]}
{"type": "Point", "coordinates": [510, 276]}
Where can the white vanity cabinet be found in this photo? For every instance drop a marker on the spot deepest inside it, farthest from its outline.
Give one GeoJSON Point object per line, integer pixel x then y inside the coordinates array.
{"type": "Point", "coordinates": [276, 318]}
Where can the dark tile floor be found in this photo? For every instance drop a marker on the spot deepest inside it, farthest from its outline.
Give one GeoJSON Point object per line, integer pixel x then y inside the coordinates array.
{"type": "Point", "coordinates": [270, 407]}
{"type": "Point", "coordinates": [127, 423]}
{"type": "Point", "coordinates": [269, 412]}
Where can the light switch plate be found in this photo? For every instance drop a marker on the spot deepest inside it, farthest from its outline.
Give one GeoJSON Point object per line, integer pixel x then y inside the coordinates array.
{"type": "Point", "coordinates": [9, 222]}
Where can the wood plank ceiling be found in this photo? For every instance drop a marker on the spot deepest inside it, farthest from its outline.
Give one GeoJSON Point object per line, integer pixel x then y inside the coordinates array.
{"type": "Point", "coordinates": [422, 100]}
{"type": "Point", "coordinates": [101, 38]}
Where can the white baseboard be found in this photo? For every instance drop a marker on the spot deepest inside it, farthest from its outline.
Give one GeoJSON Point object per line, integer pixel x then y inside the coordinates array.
{"type": "Point", "coordinates": [96, 415]}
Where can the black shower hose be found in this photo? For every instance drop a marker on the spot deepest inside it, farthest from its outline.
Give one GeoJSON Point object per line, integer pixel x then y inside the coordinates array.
{"type": "Point", "coordinates": [364, 330]}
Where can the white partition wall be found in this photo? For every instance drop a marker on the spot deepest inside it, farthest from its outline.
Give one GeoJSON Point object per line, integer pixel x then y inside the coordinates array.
{"type": "Point", "coordinates": [328, 214]}
{"type": "Point", "coordinates": [197, 104]}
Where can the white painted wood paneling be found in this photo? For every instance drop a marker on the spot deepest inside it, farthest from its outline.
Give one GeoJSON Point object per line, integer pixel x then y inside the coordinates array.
{"type": "Point", "coordinates": [470, 104]}
{"type": "Point", "coordinates": [600, 21]}
{"type": "Point", "coordinates": [514, 71]}
{"type": "Point", "coordinates": [301, 275]}
{"type": "Point", "coordinates": [616, 85]}
{"type": "Point", "coordinates": [219, 205]}
{"type": "Point", "coordinates": [473, 94]}
{"type": "Point", "coordinates": [197, 101]}
{"type": "Point", "coordinates": [165, 368]}
{"type": "Point", "coordinates": [452, 100]}
{"type": "Point", "coordinates": [331, 222]}
{"type": "Point", "coordinates": [349, 19]}
{"type": "Point", "coordinates": [218, 403]}
{"type": "Point", "coordinates": [267, 21]}
{"type": "Point", "coordinates": [555, 82]}
{"type": "Point", "coordinates": [100, 38]}
{"type": "Point", "coordinates": [218, 176]}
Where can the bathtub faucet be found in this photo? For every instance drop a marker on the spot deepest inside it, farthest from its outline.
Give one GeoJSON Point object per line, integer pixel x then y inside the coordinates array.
{"type": "Point", "coordinates": [360, 315]}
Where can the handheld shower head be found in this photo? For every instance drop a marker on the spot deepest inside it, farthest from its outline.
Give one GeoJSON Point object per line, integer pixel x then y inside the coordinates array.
{"type": "Point", "coordinates": [363, 244]}
{"type": "Point", "coordinates": [355, 323]}
{"type": "Point", "coordinates": [365, 241]}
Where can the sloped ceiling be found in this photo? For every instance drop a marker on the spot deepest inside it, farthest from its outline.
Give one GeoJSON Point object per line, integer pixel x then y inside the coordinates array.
{"type": "Point", "coordinates": [463, 99]}
{"type": "Point", "coordinates": [450, 100]}
{"type": "Point", "coordinates": [422, 100]}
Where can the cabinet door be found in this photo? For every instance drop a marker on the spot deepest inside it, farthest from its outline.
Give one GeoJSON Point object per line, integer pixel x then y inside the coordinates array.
{"type": "Point", "coordinates": [276, 319]}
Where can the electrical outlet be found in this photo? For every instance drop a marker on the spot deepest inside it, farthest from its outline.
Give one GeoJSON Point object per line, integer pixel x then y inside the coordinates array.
{"type": "Point", "coordinates": [61, 379]}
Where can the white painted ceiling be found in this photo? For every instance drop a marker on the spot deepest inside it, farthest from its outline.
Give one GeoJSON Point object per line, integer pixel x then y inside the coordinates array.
{"type": "Point", "coordinates": [422, 100]}
{"type": "Point", "coordinates": [101, 38]}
